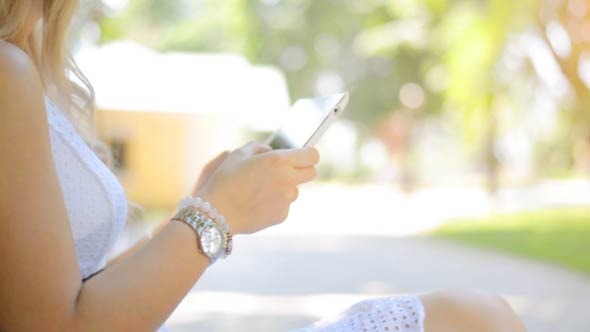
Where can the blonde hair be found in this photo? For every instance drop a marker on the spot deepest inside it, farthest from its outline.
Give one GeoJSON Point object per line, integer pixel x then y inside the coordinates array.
{"type": "Point", "coordinates": [62, 79]}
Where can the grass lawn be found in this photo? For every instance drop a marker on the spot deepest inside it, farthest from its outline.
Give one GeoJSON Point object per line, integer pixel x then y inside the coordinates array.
{"type": "Point", "coordinates": [559, 236]}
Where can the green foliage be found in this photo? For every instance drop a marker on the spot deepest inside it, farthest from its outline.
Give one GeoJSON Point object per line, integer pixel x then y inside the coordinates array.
{"type": "Point", "coordinates": [377, 46]}
{"type": "Point", "coordinates": [559, 236]}
{"type": "Point", "coordinates": [265, 33]}
{"type": "Point", "coordinates": [207, 25]}
{"type": "Point", "coordinates": [373, 47]}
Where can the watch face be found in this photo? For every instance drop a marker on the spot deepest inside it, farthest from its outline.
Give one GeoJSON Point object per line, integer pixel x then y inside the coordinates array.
{"type": "Point", "coordinates": [212, 241]}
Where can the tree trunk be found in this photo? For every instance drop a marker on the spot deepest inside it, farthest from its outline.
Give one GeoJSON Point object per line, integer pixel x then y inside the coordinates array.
{"type": "Point", "coordinates": [492, 164]}
{"type": "Point", "coordinates": [581, 132]}
{"type": "Point", "coordinates": [491, 160]}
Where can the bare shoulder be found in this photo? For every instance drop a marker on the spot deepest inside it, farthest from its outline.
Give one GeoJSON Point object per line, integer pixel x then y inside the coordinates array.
{"type": "Point", "coordinates": [21, 90]}
{"type": "Point", "coordinates": [13, 60]}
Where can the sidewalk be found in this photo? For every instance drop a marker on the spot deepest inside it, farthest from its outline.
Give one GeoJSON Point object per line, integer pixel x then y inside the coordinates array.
{"type": "Point", "coordinates": [342, 244]}
{"type": "Point", "coordinates": [276, 283]}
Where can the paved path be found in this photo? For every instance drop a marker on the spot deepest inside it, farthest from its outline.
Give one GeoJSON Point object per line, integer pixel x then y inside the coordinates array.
{"type": "Point", "coordinates": [279, 282]}
{"type": "Point", "coordinates": [342, 244]}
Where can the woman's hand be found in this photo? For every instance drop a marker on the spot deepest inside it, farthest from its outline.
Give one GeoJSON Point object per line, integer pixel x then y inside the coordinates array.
{"type": "Point", "coordinates": [254, 186]}
{"type": "Point", "coordinates": [208, 171]}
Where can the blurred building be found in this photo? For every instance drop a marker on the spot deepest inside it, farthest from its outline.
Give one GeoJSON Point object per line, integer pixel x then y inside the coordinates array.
{"type": "Point", "coordinates": [166, 115]}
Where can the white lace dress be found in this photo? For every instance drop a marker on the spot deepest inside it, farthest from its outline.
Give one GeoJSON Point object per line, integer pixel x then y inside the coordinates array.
{"type": "Point", "coordinates": [97, 211]}
{"type": "Point", "coordinates": [395, 314]}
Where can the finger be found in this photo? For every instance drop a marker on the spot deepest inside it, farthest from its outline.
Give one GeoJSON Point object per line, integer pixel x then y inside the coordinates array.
{"type": "Point", "coordinates": [303, 175]}
{"type": "Point", "coordinates": [209, 169]}
{"type": "Point", "coordinates": [283, 216]}
{"type": "Point", "coordinates": [301, 158]}
{"type": "Point", "coordinates": [254, 148]}
{"type": "Point", "coordinates": [293, 194]}
{"type": "Point", "coordinates": [222, 155]}
{"type": "Point", "coordinates": [213, 164]}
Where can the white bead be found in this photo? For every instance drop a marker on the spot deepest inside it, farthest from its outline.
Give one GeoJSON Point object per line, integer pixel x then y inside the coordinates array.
{"type": "Point", "coordinates": [204, 206]}
{"type": "Point", "coordinates": [222, 219]}
{"type": "Point", "coordinates": [185, 202]}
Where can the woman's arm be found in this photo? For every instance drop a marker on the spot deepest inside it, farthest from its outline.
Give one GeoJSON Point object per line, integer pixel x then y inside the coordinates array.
{"type": "Point", "coordinates": [141, 242]}
{"type": "Point", "coordinates": [40, 282]}
{"type": "Point", "coordinates": [205, 175]}
{"type": "Point", "coordinates": [141, 290]}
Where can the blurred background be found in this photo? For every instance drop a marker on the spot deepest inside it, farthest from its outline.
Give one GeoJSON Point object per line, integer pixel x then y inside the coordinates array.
{"type": "Point", "coordinates": [462, 161]}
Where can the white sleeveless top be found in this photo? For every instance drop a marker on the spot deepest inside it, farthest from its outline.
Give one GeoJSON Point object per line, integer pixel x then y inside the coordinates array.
{"type": "Point", "coordinates": [95, 201]}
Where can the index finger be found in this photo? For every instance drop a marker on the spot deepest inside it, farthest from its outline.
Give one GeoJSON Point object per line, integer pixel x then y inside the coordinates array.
{"type": "Point", "coordinates": [254, 148]}
{"type": "Point", "coordinates": [303, 157]}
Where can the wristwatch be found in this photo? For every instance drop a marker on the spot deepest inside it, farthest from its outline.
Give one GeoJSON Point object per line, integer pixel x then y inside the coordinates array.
{"type": "Point", "coordinates": [213, 241]}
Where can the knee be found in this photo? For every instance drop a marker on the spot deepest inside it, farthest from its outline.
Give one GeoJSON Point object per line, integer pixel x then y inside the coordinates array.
{"type": "Point", "coordinates": [460, 311]}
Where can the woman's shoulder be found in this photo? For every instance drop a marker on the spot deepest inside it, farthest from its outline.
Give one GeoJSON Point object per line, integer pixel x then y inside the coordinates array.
{"type": "Point", "coordinates": [14, 61]}
{"type": "Point", "coordinates": [20, 83]}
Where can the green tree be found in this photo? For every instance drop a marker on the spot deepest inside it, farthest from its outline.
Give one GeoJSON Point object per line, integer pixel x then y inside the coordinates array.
{"type": "Point", "coordinates": [450, 49]}
{"type": "Point", "coordinates": [569, 23]}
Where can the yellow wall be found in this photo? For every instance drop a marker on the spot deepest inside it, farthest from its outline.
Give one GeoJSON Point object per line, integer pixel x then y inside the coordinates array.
{"type": "Point", "coordinates": [165, 151]}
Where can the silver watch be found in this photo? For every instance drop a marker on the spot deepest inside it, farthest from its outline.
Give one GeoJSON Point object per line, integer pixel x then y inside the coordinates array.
{"type": "Point", "coordinates": [213, 241]}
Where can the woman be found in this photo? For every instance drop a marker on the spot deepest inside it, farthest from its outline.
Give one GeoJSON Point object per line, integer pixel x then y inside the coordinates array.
{"type": "Point", "coordinates": [61, 210]}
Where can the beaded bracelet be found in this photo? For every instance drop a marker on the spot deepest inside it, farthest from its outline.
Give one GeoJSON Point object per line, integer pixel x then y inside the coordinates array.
{"type": "Point", "coordinates": [207, 208]}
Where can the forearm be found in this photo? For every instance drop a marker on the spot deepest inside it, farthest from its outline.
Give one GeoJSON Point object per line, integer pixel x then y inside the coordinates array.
{"type": "Point", "coordinates": [253, 190]}
{"type": "Point", "coordinates": [142, 242]}
{"type": "Point", "coordinates": [141, 291]}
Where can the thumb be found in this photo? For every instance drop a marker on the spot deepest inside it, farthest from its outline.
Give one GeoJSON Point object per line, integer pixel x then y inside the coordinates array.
{"type": "Point", "coordinates": [209, 169]}
{"type": "Point", "coordinates": [213, 164]}
{"type": "Point", "coordinates": [218, 160]}
{"type": "Point", "coordinates": [254, 148]}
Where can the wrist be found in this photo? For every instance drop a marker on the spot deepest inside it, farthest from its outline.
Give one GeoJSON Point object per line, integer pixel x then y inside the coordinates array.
{"type": "Point", "coordinates": [204, 207]}
{"type": "Point", "coordinates": [213, 237]}
{"type": "Point", "coordinates": [223, 207]}
{"type": "Point", "coordinates": [212, 241]}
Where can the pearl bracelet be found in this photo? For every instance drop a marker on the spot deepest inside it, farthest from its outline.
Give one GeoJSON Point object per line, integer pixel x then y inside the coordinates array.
{"type": "Point", "coordinates": [206, 208]}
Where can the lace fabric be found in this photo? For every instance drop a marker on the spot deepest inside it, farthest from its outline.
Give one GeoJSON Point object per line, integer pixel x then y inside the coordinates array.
{"type": "Point", "coordinates": [95, 201]}
{"type": "Point", "coordinates": [388, 314]}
